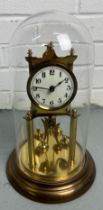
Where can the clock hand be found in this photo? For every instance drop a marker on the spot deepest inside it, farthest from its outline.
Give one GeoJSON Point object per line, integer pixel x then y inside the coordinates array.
{"type": "Point", "coordinates": [41, 87]}
{"type": "Point", "coordinates": [52, 87]}
{"type": "Point", "coordinates": [59, 83]}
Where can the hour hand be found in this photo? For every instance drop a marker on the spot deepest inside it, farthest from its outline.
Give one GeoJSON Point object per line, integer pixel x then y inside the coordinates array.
{"type": "Point", "coordinates": [39, 87]}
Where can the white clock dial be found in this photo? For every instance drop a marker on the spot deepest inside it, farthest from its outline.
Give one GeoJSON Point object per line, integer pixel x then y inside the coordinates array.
{"type": "Point", "coordinates": [51, 87]}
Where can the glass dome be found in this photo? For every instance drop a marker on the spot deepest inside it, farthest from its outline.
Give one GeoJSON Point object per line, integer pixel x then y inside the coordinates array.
{"type": "Point", "coordinates": [51, 155]}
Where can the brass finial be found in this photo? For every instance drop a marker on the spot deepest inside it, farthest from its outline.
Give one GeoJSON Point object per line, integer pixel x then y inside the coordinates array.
{"type": "Point", "coordinates": [49, 53]}
{"type": "Point", "coordinates": [49, 45]}
{"type": "Point", "coordinates": [72, 51]}
{"type": "Point", "coordinates": [28, 116]}
{"type": "Point", "coordinates": [29, 53]}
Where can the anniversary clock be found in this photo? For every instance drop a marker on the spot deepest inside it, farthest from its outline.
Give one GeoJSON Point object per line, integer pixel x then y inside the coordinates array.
{"type": "Point", "coordinates": [50, 163]}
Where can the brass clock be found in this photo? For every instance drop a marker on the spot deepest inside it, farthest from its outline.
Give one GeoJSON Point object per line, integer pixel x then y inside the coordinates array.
{"type": "Point", "coordinates": [51, 168]}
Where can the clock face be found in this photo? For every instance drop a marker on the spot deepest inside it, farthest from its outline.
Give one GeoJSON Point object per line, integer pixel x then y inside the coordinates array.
{"type": "Point", "coordinates": [52, 87]}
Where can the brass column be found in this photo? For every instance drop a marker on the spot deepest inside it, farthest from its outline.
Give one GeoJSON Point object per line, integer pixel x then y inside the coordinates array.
{"type": "Point", "coordinates": [30, 139]}
{"type": "Point", "coordinates": [73, 133]}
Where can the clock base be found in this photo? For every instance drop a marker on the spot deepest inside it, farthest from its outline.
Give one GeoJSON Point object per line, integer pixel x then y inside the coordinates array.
{"type": "Point", "coordinates": [47, 192]}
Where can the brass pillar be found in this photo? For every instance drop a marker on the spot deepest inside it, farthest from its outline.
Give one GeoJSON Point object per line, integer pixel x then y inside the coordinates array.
{"type": "Point", "coordinates": [30, 138]}
{"type": "Point", "coordinates": [73, 133]}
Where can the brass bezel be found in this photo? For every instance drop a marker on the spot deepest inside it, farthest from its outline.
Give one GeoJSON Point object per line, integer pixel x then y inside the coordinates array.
{"type": "Point", "coordinates": [39, 67]}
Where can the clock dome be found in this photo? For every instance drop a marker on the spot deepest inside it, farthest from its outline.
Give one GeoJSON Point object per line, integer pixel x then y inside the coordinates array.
{"type": "Point", "coordinates": [51, 56]}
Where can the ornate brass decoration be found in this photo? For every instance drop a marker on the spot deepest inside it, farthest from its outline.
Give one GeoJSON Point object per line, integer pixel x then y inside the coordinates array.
{"type": "Point", "coordinates": [49, 56]}
{"type": "Point", "coordinates": [50, 149]}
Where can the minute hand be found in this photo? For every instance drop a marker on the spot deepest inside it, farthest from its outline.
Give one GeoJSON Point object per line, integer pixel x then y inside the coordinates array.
{"type": "Point", "coordinates": [59, 83]}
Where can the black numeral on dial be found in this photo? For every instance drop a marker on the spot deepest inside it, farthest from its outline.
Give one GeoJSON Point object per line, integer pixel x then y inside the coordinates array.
{"type": "Point", "coordinates": [59, 100]}
{"type": "Point", "coordinates": [34, 88]}
{"type": "Point", "coordinates": [38, 81]}
{"type": "Point", "coordinates": [52, 72]}
{"type": "Point", "coordinates": [37, 95]}
{"type": "Point", "coordinates": [43, 74]}
{"type": "Point", "coordinates": [60, 74]}
{"type": "Point", "coordinates": [66, 80]}
{"type": "Point", "coordinates": [51, 102]}
{"type": "Point", "coordinates": [66, 95]}
{"type": "Point", "coordinates": [69, 87]}
{"type": "Point", "coordinates": [43, 100]}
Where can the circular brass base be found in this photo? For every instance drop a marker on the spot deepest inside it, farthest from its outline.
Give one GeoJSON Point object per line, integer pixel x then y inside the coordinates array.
{"type": "Point", "coordinates": [47, 192]}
